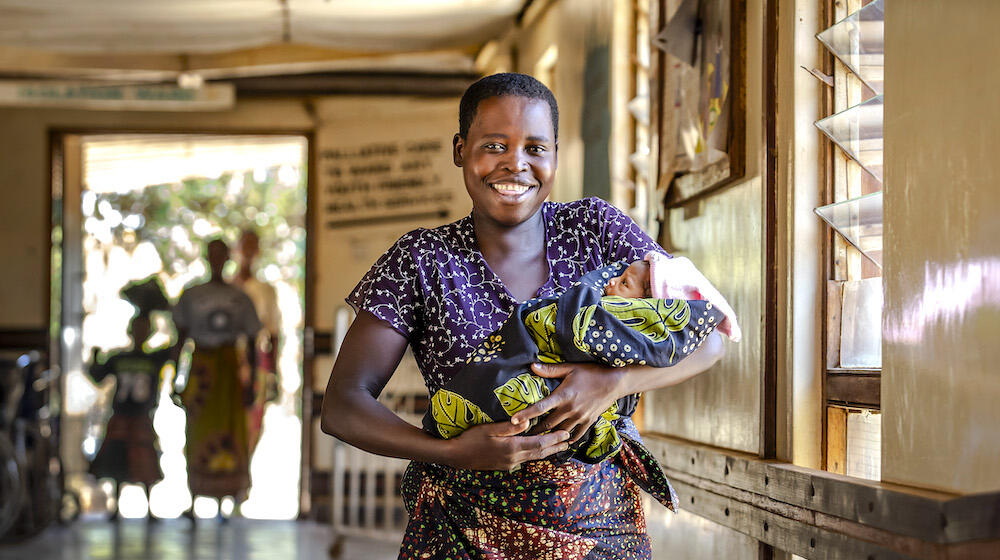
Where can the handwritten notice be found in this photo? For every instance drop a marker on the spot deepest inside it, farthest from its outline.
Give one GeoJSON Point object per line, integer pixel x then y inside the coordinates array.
{"type": "Point", "coordinates": [382, 167]}
{"type": "Point", "coordinates": [384, 180]}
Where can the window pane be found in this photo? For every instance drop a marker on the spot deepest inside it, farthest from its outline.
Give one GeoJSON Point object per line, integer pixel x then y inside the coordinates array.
{"type": "Point", "coordinates": [861, 324]}
{"type": "Point", "coordinates": [858, 131]}
{"type": "Point", "coordinates": [857, 41]}
{"type": "Point", "coordinates": [864, 444]}
{"type": "Point", "coordinates": [859, 220]}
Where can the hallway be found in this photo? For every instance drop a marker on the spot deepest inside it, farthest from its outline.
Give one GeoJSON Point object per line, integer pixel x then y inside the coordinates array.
{"type": "Point", "coordinates": [240, 539]}
{"type": "Point", "coordinates": [825, 166]}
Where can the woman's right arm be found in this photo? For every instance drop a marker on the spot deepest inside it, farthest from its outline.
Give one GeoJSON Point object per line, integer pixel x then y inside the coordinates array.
{"type": "Point", "coordinates": [368, 357]}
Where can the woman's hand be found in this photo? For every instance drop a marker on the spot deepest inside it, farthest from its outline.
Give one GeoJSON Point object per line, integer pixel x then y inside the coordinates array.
{"type": "Point", "coordinates": [498, 447]}
{"type": "Point", "coordinates": [587, 390]}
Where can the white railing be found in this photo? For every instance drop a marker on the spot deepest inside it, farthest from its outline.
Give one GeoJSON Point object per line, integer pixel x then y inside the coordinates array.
{"type": "Point", "coordinates": [365, 498]}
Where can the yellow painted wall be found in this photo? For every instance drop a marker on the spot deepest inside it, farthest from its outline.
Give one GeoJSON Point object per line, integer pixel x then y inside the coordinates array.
{"type": "Point", "coordinates": [572, 28]}
{"type": "Point", "coordinates": [941, 380]}
{"type": "Point", "coordinates": [344, 254]}
{"type": "Point", "coordinates": [723, 235]}
{"type": "Point", "coordinates": [688, 536]}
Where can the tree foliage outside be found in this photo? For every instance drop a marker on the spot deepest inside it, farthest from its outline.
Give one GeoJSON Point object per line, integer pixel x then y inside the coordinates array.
{"type": "Point", "coordinates": [179, 218]}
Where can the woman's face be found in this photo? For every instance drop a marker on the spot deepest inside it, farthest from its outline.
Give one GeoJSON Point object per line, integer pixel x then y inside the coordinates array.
{"type": "Point", "coordinates": [508, 158]}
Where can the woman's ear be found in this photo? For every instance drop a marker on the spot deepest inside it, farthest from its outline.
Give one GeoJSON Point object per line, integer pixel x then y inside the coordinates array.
{"type": "Point", "coordinates": [458, 146]}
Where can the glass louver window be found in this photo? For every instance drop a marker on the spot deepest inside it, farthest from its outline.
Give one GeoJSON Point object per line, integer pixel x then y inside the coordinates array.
{"type": "Point", "coordinates": [854, 211]}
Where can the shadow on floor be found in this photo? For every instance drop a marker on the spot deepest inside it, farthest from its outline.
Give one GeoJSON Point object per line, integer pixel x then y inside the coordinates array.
{"type": "Point", "coordinates": [176, 539]}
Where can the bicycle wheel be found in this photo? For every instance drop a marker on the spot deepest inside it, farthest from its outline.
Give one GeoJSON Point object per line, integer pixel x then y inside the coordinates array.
{"type": "Point", "coordinates": [70, 508]}
{"type": "Point", "coordinates": [11, 485]}
{"type": "Point", "coordinates": [42, 494]}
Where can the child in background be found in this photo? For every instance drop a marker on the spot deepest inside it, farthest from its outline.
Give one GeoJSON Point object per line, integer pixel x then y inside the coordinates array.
{"type": "Point", "coordinates": [129, 451]}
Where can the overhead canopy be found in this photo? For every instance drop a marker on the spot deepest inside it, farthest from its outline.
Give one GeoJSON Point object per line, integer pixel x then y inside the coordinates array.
{"type": "Point", "coordinates": [197, 26]}
{"type": "Point", "coordinates": [192, 28]}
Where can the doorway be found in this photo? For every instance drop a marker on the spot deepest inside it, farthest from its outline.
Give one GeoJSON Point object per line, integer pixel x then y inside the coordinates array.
{"type": "Point", "coordinates": [132, 207]}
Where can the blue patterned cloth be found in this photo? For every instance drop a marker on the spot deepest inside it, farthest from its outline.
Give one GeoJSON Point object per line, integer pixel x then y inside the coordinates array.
{"type": "Point", "coordinates": [581, 325]}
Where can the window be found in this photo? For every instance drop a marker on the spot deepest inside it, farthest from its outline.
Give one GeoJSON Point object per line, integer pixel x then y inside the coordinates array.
{"type": "Point", "coordinates": [854, 212]}
{"type": "Point", "coordinates": [644, 187]}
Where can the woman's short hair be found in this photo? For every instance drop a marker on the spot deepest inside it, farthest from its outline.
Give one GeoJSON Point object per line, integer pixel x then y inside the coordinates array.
{"type": "Point", "coordinates": [497, 85]}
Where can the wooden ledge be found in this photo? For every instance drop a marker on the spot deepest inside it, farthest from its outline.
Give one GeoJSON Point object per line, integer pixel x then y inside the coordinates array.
{"type": "Point", "coordinates": [24, 339]}
{"type": "Point", "coordinates": [802, 510]}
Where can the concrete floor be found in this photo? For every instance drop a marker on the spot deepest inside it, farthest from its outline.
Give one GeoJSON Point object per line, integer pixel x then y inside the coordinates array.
{"type": "Point", "coordinates": [240, 539]}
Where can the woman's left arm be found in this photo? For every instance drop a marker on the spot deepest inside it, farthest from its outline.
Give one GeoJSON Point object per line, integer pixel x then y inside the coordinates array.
{"type": "Point", "coordinates": [588, 389]}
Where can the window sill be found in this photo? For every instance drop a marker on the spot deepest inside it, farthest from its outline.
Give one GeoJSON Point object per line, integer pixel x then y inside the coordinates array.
{"type": "Point", "coordinates": [854, 387]}
{"type": "Point", "coordinates": [802, 510]}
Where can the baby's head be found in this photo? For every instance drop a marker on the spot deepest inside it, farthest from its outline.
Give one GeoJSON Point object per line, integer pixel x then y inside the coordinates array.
{"type": "Point", "coordinates": [633, 283]}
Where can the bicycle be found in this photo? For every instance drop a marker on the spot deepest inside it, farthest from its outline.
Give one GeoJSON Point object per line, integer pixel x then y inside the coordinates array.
{"type": "Point", "coordinates": [11, 472]}
{"type": "Point", "coordinates": [31, 484]}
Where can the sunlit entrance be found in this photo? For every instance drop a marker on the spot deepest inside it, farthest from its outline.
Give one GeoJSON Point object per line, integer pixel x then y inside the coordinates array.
{"type": "Point", "coordinates": [134, 207]}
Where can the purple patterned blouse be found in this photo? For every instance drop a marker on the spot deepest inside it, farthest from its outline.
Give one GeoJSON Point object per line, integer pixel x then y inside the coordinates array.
{"type": "Point", "coordinates": [435, 287]}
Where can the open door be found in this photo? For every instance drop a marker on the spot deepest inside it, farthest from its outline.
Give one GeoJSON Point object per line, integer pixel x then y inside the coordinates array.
{"type": "Point", "coordinates": [129, 207]}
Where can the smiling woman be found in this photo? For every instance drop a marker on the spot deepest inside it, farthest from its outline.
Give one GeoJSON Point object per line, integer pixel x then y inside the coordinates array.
{"type": "Point", "coordinates": [508, 161]}
{"type": "Point", "coordinates": [493, 490]}
{"type": "Point", "coordinates": [508, 157]}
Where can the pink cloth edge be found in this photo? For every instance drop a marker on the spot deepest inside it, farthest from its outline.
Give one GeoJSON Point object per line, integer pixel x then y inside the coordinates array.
{"type": "Point", "coordinates": [660, 287]}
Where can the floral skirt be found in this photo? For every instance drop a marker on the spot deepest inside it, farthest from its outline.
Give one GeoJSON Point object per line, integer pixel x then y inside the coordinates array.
{"type": "Point", "coordinates": [217, 449]}
{"type": "Point", "coordinates": [545, 510]}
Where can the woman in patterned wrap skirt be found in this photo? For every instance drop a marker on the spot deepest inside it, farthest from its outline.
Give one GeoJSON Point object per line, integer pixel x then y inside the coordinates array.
{"type": "Point", "coordinates": [490, 492]}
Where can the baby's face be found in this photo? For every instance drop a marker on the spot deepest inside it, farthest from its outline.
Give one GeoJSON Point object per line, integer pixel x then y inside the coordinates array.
{"type": "Point", "coordinates": [633, 283]}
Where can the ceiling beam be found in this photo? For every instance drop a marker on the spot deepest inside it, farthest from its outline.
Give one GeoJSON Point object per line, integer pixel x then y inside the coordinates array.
{"type": "Point", "coordinates": [258, 61]}
{"type": "Point", "coordinates": [355, 83]}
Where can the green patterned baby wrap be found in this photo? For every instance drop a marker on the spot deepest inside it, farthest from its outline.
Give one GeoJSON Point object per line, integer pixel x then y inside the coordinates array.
{"type": "Point", "coordinates": [581, 325]}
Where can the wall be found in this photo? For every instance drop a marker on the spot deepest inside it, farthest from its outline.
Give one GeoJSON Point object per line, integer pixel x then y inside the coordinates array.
{"type": "Point", "coordinates": [688, 536]}
{"type": "Point", "coordinates": [345, 250]}
{"type": "Point", "coordinates": [723, 235]}
{"type": "Point", "coordinates": [940, 380]}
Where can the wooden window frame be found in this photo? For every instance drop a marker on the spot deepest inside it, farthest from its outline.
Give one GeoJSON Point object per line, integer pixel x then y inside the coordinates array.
{"type": "Point", "coordinates": [845, 389]}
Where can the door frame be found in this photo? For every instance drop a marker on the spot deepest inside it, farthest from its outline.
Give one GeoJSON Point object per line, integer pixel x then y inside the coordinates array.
{"type": "Point", "coordinates": [55, 163]}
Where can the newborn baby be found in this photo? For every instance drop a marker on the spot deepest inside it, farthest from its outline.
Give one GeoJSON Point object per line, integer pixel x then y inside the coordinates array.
{"type": "Point", "coordinates": [662, 277]}
{"type": "Point", "coordinates": [602, 318]}
{"type": "Point", "coordinates": [633, 283]}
